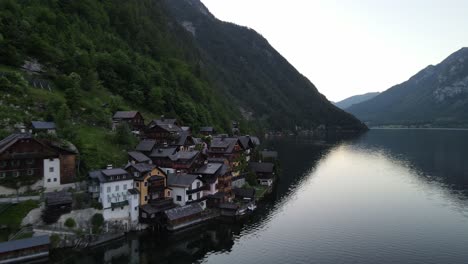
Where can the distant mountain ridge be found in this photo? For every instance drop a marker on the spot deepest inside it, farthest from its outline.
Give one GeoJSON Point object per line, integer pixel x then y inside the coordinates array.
{"type": "Point", "coordinates": [249, 72]}
{"type": "Point", "coordinates": [356, 99]}
{"type": "Point", "coordinates": [436, 96]}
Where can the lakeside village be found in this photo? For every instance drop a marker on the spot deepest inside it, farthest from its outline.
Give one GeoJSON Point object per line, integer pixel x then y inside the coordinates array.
{"type": "Point", "coordinates": [173, 180]}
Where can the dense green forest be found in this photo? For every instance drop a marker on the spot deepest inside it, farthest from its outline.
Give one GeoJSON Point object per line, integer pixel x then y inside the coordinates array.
{"type": "Point", "coordinates": [100, 56]}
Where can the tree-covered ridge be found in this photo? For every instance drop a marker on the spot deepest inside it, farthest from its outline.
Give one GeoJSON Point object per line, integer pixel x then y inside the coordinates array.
{"type": "Point", "coordinates": [255, 76]}
{"type": "Point", "coordinates": [130, 48]}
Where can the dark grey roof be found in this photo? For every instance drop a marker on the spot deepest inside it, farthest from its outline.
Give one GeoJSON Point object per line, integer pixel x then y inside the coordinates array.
{"type": "Point", "coordinates": [210, 168]}
{"type": "Point", "coordinates": [184, 211]}
{"type": "Point", "coordinates": [143, 167]}
{"type": "Point", "coordinates": [197, 141]}
{"type": "Point", "coordinates": [43, 125]}
{"type": "Point", "coordinates": [255, 140]}
{"type": "Point", "coordinates": [245, 142]}
{"type": "Point", "coordinates": [24, 243]}
{"type": "Point", "coordinates": [125, 114]}
{"type": "Point", "coordinates": [133, 191]}
{"type": "Point", "coordinates": [138, 156]}
{"type": "Point", "coordinates": [13, 138]}
{"type": "Point", "coordinates": [226, 143]}
{"type": "Point", "coordinates": [265, 167]}
{"type": "Point", "coordinates": [146, 145]}
{"type": "Point", "coordinates": [181, 180]}
{"type": "Point", "coordinates": [170, 127]}
{"type": "Point", "coordinates": [268, 154]}
{"type": "Point", "coordinates": [163, 152]}
{"type": "Point", "coordinates": [183, 137]}
{"type": "Point", "coordinates": [55, 198]}
{"type": "Point", "coordinates": [114, 172]}
{"type": "Point", "coordinates": [244, 192]}
{"type": "Point", "coordinates": [185, 155]}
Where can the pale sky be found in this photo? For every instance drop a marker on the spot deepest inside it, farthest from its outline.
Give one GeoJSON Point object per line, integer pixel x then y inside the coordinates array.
{"type": "Point", "coordinates": [349, 47]}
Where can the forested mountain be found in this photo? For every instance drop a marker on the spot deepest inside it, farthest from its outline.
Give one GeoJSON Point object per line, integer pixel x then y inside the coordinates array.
{"type": "Point", "coordinates": [89, 58]}
{"type": "Point", "coordinates": [343, 104]}
{"type": "Point", "coordinates": [436, 96]}
{"type": "Point", "coordinates": [251, 73]}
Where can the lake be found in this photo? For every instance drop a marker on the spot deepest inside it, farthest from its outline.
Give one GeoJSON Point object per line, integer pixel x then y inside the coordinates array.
{"type": "Point", "coordinates": [389, 196]}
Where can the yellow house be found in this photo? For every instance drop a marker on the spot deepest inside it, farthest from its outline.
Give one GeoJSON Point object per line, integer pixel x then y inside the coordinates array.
{"type": "Point", "coordinates": [150, 181]}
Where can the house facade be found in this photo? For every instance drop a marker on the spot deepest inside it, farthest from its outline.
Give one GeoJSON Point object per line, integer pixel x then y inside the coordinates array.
{"type": "Point", "coordinates": [134, 119]}
{"type": "Point", "coordinates": [186, 189]}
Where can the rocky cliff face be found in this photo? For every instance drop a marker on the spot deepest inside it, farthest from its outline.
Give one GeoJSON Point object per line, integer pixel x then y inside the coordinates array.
{"type": "Point", "coordinates": [437, 95]}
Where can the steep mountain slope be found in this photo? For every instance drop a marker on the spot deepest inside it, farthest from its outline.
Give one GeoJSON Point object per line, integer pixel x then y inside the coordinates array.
{"type": "Point", "coordinates": [343, 104]}
{"type": "Point", "coordinates": [255, 76]}
{"type": "Point", "coordinates": [436, 96]}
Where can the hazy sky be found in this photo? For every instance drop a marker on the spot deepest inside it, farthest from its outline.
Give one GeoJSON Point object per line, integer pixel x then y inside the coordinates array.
{"type": "Point", "coordinates": [350, 47]}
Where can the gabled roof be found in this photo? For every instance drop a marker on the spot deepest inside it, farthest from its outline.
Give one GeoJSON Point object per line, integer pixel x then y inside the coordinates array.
{"type": "Point", "coordinates": [185, 155]}
{"type": "Point", "coordinates": [43, 125]}
{"type": "Point", "coordinates": [125, 114]}
{"type": "Point", "coordinates": [163, 152]}
{"type": "Point", "coordinates": [24, 243]}
{"type": "Point", "coordinates": [246, 142]}
{"type": "Point", "coordinates": [182, 139]}
{"type": "Point", "coordinates": [255, 140]}
{"type": "Point", "coordinates": [181, 180]}
{"type": "Point", "coordinates": [142, 167]}
{"type": "Point", "coordinates": [114, 172]}
{"type": "Point", "coordinates": [225, 143]}
{"type": "Point", "coordinates": [138, 156]}
{"type": "Point", "coordinates": [265, 167]}
{"type": "Point", "coordinates": [146, 145]}
{"type": "Point", "coordinates": [210, 168]}
{"type": "Point", "coordinates": [103, 175]}
{"type": "Point", "coordinates": [184, 211]}
{"type": "Point", "coordinates": [13, 138]}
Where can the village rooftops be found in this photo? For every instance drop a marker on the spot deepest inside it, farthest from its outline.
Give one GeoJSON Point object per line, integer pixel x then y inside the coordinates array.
{"type": "Point", "coordinates": [146, 145]}
{"type": "Point", "coordinates": [181, 180]}
{"type": "Point", "coordinates": [163, 152]}
{"type": "Point", "coordinates": [125, 114]}
{"type": "Point", "coordinates": [23, 244]}
{"type": "Point", "coordinates": [41, 125]}
{"type": "Point", "coordinates": [224, 143]}
{"type": "Point", "coordinates": [262, 167]}
{"type": "Point", "coordinates": [184, 211]}
{"type": "Point", "coordinates": [138, 156]}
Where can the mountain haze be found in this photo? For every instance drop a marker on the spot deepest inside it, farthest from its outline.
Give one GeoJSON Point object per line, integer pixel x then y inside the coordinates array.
{"type": "Point", "coordinates": [436, 96]}
{"type": "Point", "coordinates": [343, 104]}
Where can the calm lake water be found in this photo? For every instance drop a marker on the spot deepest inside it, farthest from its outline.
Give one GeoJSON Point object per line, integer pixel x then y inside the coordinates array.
{"type": "Point", "coordinates": [390, 196]}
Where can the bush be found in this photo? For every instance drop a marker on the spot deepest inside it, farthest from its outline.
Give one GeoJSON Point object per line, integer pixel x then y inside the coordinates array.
{"type": "Point", "coordinates": [97, 221]}
{"type": "Point", "coordinates": [70, 223]}
{"type": "Point", "coordinates": [251, 179]}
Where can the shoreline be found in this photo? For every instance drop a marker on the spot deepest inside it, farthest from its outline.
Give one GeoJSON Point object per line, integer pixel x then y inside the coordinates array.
{"type": "Point", "coordinates": [419, 128]}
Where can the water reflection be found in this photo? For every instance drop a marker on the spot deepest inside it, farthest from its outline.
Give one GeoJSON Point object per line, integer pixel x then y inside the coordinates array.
{"type": "Point", "coordinates": [391, 196]}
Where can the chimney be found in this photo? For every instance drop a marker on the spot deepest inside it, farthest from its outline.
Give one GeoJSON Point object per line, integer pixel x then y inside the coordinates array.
{"type": "Point", "coordinates": [109, 166]}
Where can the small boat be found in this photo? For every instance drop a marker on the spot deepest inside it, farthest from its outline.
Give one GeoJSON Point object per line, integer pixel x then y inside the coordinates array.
{"type": "Point", "coordinates": [252, 207]}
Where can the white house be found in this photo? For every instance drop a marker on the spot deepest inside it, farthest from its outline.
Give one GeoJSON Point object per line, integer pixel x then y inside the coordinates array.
{"type": "Point", "coordinates": [51, 173]}
{"type": "Point", "coordinates": [186, 189]}
{"type": "Point", "coordinates": [116, 194]}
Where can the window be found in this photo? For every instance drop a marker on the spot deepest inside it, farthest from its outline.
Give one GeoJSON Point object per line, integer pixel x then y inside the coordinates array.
{"type": "Point", "coordinates": [51, 159]}
{"type": "Point", "coordinates": [55, 179]}
{"type": "Point", "coordinates": [146, 183]}
{"type": "Point", "coordinates": [190, 197]}
{"type": "Point", "coordinates": [16, 174]}
{"type": "Point", "coordinates": [108, 189]}
{"type": "Point", "coordinates": [179, 198]}
{"type": "Point", "coordinates": [125, 187]}
{"type": "Point", "coordinates": [2, 175]}
{"type": "Point", "coordinates": [137, 185]}
{"type": "Point", "coordinates": [48, 180]}
{"type": "Point", "coordinates": [109, 200]}
{"type": "Point", "coordinates": [30, 161]}
{"type": "Point", "coordinates": [116, 188]}
{"type": "Point", "coordinates": [100, 188]}
{"type": "Point", "coordinates": [136, 208]}
{"type": "Point", "coordinates": [51, 169]}
{"type": "Point", "coordinates": [30, 172]}
{"type": "Point", "coordinates": [136, 174]}
{"type": "Point", "coordinates": [198, 196]}
{"type": "Point", "coordinates": [146, 198]}
{"type": "Point", "coordinates": [124, 197]}
{"type": "Point", "coordinates": [15, 163]}
{"type": "Point", "coordinates": [198, 185]}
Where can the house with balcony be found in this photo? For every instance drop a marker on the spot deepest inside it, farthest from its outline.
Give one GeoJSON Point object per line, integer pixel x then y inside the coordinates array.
{"type": "Point", "coordinates": [114, 190]}
{"type": "Point", "coordinates": [186, 161]}
{"type": "Point", "coordinates": [163, 131]}
{"type": "Point", "coordinates": [227, 148]}
{"type": "Point", "coordinates": [186, 189]}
